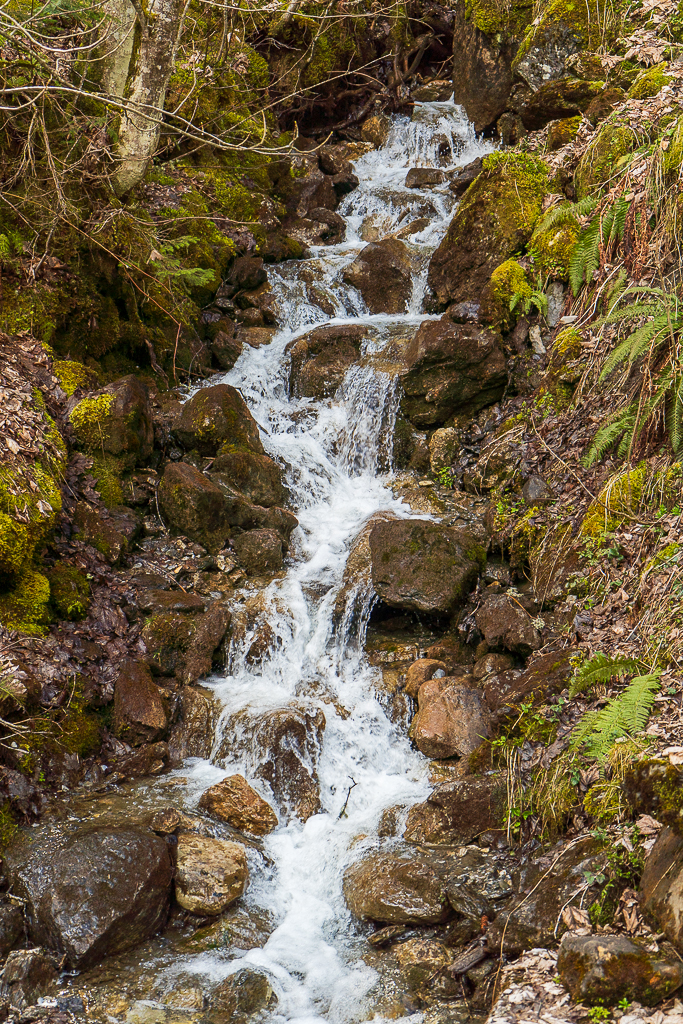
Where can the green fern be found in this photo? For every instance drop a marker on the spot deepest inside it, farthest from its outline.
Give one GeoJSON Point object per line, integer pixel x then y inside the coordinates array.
{"type": "Point", "coordinates": [601, 668]}
{"type": "Point", "coordinates": [566, 214]}
{"type": "Point", "coordinates": [616, 426]}
{"type": "Point", "coordinates": [624, 715]}
{"type": "Point", "coordinates": [605, 229]}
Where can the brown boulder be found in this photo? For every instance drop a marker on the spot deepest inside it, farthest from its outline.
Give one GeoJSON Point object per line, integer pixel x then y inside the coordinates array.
{"type": "Point", "coordinates": [504, 623]}
{"type": "Point", "coordinates": [192, 734]}
{"type": "Point", "coordinates": [452, 368]}
{"type": "Point", "coordinates": [482, 64]}
{"type": "Point", "coordinates": [139, 713]}
{"type": "Point", "coordinates": [240, 997]}
{"type": "Point", "coordinates": [419, 672]}
{"type": "Point", "coordinates": [382, 273]}
{"type": "Point", "coordinates": [320, 359]}
{"type": "Point", "coordinates": [257, 477]}
{"type": "Point", "coordinates": [210, 874]}
{"type": "Point", "coordinates": [661, 886]}
{"type": "Point", "coordinates": [91, 892]}
{"type": "Point", "coordinates": [452, 719]}
{"type": "Point", "coordinates": [28, 975]}
{"type": "Point", "coordinates": [561, 98]}
{"type": "Point", "coordinates": [547, 675]}
{"type": "Point", "coordinates": [404, 886]}
{"type": "Point", "coordinates": [116, 420]}
{"type": "Point", "coordinates": [601, 970]}
{"type": "Point", "coordinates": [217, 416]}
{"type": "Point", "coordinates": [289, 740]}
{"type": "Point", "coordinates": [458, 812]}
{"type": "Point", "coordinates": [226, 348]}
{"type": "Point", "coordinates": [259, 551]}
{"type": "Point", "coordinates": [233, 800]}
{"type": "Point", "coordinates": [112, 532]}
{"type": "Point", "coordinates": [424, 177]}
{"type": "Point", "coordinates": [423, 566]}
{"type": "Point", "coordinates": [186, 645]}
{"type": "Point", "coordinates": [194, 506]}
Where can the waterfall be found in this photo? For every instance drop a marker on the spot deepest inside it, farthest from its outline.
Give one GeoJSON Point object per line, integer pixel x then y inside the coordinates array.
{"type": "Point", "coordinates": [337, 455]}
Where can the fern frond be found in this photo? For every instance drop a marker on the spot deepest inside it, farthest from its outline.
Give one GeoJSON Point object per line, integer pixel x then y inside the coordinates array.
{"type": "Point", "coordinates": [566, 214]}
{"type": "Point", "coordinates": [615, 426]}
{"type": "Point", "coordinates": [624, 715]}
{"type": "Point", "coordinates": [601, 668]}
{"type": "Point", "coordinates": [675, 413]}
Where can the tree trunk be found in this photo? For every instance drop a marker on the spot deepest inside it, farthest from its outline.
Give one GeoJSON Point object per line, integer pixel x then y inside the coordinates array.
{"type": "Point", "coordinates": [137, 71]}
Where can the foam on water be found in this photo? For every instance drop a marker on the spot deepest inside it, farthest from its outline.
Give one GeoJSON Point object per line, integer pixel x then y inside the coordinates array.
{"type": "Point", "coordinates": [337, 456]}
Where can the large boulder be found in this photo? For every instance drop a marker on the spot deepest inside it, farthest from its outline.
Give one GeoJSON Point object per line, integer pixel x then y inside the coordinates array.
{"type": "Point", "coordinates": [402, 886]}
{"type": "Point", "coordinates": [560, 31]}
{"type": "Point", "coordinates": [601, 970]}
{"type": "Point", "coordinates": [234, 801]}
{"type": "Point", "coordinates": [210, 874]}
{"type": "Point", "coordinates": [186, 645]}
{"type": "Point", "coordinates": [116, 420]}
{"type": "Point", "coordinates": [259, 551]}
{"type": "Point", "coordinates": [214, 417]}
{"type": "Point", "coordinates": [193, 505]}
{"type": "Point", "coordinates": [457, 812]}
{"type": "Point", "coordinates": [504, 623]}
{"type": "Point", "coordinates": [452, 368]}
{"type": "Point", "coordinates": [451, 720]}
{"type": "Point", "coordinates": [558, 99]}
{"type": "Point", "coordinates": [383, 275]}
{"type": "Point", "coordinates": [320, 359]}
{"type": "Point", "coordinates": [91, 892]}
{"type": "Point", "coordinates": [494, 219]}
{"type": "Point", "coordinates": [423, 566]}
{"type": "Point", "coordinates": [257, 477]}
{"type": "Point", "coordinates": [139, 713]}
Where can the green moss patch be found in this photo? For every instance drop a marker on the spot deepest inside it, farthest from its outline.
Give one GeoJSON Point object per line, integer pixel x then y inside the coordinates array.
{"type": "Point", "coordinates": [69, 592]}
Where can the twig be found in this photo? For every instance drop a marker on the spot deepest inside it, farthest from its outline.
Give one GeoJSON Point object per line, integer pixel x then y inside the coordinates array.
{"type": "Point", "coordinates": [342, 813]}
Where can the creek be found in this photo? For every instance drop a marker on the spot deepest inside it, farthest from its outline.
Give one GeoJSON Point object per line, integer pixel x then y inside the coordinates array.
{"type": "Point", "coordinates": [338, 459]}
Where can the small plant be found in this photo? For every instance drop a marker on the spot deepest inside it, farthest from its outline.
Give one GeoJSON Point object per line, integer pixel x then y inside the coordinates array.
{"type": "Point", "coordinates": [598, 1013]}
{"type": "Point", "coordinates": [537, 300]}
{"type": "Point", "coordinates": [446, 478]}
{"type": "Point", "coordinates": [601, 669]}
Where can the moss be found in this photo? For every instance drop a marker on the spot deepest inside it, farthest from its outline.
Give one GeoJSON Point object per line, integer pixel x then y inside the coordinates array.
{"type": "Point", "coordinates": [561, 132]}
{"type": "Point", "coordinates": [90, 420]}
{"type": "Point", "coordinates": [80, 732]}
{"type": "Point", "coordinates": [586, 21]}
{"type": "Point", "coordinates": [552, 249]}
{"type": "Point", "coordinates": [25, 607]}
{"type": "Point", "coordinates": [107, 473]}
{"type": "Point", "coordinates": [494, 17]}
{"type": "Point", "coordinates": [649, 82]}
{"type": "Point", "coordinates": [509, 282]}
{"type": "Point", "coordinates": [72, 375]}
{"type": "Point", "coordinates": [616, 503]}
{"type": "Point", "coordinates": [8, 826]}
{"type": "Point", "coordinates": [29, 502]}
{"type": "Point", "coordinates": [604, 157]}
{"type": "Point", "coordinates": [69, 592]}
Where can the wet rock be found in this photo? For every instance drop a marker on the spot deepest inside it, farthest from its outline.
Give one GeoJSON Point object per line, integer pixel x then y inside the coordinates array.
{"type": "Point", "coordinates": [402, 886]}
{"type": "Point", "coordinates": [534, 920]}
{"type": "Point", "coordinates": [226, 348]}
{"type": "Point", "coordinates": [117, 420]}
{"type": "Point", "coordinates": [452, 369]}
{"type": "Point", "coordinates": [504, 623]}
{"type": "Point", "coordinates": [601, 970]}
{"type": "Point", "coordinates": [192, 735]}
{"type": "Point", "coordinates": [320, 359]}
{"type": "Point", "coordinates": [452, 719]}
{"type": "Point", "coordinates": [193, 505]}
{"type": "Point", "coordinates": [462, 177]}
{"type": "Point", "coordinates": [216, 416]}
{"type": "Point", "coordinates": [321, 227]}
{"type": "Point", "coordinates": [110, 532]}
{"type": "Point", "coordinates": [557, 99]}
{"type": "Point", "coordinates": [233, 800]}
{"type": "Point", "coordinates": [186, 645]}
{"type": "Point", "coordinates": [457, 812]}
{"type": "Point", "coordinates": [482, 65]}
{"type": "Point", "coordinates": [420, 671]}
{"type": "Point", "coordinates": [289, 740]}
{"type": "Point", "coordinates": [156, 602]}
{"type": "Point", "coordinates": [491, 665]}
{"type": "Point", "coordinates": [548, 674]}
{"type": "Point", "coordinates": [139, 713]}
{"type": "Point", "coordinates": [149, 759]}
{"type": "Point", "coordinates": [210, 874]}
{"type": "Point", "coordinates": [661, 886]}
{"type": "Point", "coordinates": [28, 975]}
{"type": "Point", "coordinates": [423, 965]}
{"type": "Point", "coordinates": [423, 566]}
{"type": "Point", "coordinates": [241, 996]}
{"type": "Point", "coordinates": [493, 220]}
{"type": "Point", "coordinates": [259, 551]}
{"type": "Point", "coordinates": [247, 273]}
{"type": "Point", "coordinates": [452, 651]}
{"type": "Point", "coordinates": [383, 275]}
{"type": "Point", "coordinates": [11, 926]}
{"type": "Point", "coordinates": [444, 447]}
{"type": "Point", "coordinates": [357, 579]}
{"type": "Point", "coordinates": [302, 185]}
{"type": "Point", "coordinates": [91, 892]}
{"type": "Point", "coordinates": [436, 91]}
{"type": "Point", "coordinates": [424, 177]}
{"type": "Point", "coordinates": [257, 477]}
{"type": "Point", "coordinates": [376, 130]}
{"type": "Point", "coordinates": [255, 337]}
{"type": "Point", "coordinates": [412, 228]}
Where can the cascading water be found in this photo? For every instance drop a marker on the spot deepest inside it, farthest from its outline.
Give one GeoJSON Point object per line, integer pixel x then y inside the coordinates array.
{"type": "Point", "coordinates": [338, 457]}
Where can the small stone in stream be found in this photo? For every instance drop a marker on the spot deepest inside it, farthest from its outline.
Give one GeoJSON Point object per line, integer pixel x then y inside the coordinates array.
{"type": "Point", "coordinates": [166, 821]}
{"type": "Point", "coordinates": [28, 975]}
{"type": "Point", "coordinates": [420, 671]}
{"type": "Point", "coordinates": [259, 551]}
{"type": "Point", "coordinates": [382, 273]}
{"type": "Point", "coordinates": [241, 996]}
{"type": "Point", "coordinates": [505, 623]}
{"type": "Point", "coordinates": [601, 970]}
{"type": "Point", "coordinates": [452, 719]}
{"type": "Point", "coordinates": [424, 177]}
{"type": "Point", "coordinates": [385, 935]}
{"type": "Point", "coordinates": [210, 874]}
{"type": "Point", "coordinates": [234, 801]}
{"type": "Point", "coordinates": [139, 713]}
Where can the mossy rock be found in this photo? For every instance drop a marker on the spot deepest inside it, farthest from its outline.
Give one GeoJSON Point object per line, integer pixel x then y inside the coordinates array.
{"type": "Point", "coordinates": [25, 606]}
{"type": "Point", "coordinates": [560, 98]}
{"type": "Point", "coordinates": [216, 417]}
{"type": "Point", "coordinates": [561, 132]}
{"type": "Point", "coordinates": [561, 29]}
{"type": "Point", "coordinates": [72, 376]}
{"type": "Point", "coordinates": [603, 158]}
{"type": "Point", "coordinates": [508, 283]}
{"type": "Point", "coordinates": [494, 220]}
{"type": "Point", "coordinates": [649, 82]}
{"type": "Point", "coordinates": [117, 422]}
{"type": "Point", "coordinates": [552, 249]}
{"type": "Point", "coordinates": [29, 503]}
{"type": "Point", "coordinates": [495, 18]}
{"type": "Point", "coordinates": [69, 592]}
{"type": "Point", "coordinates": [107, 472]}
